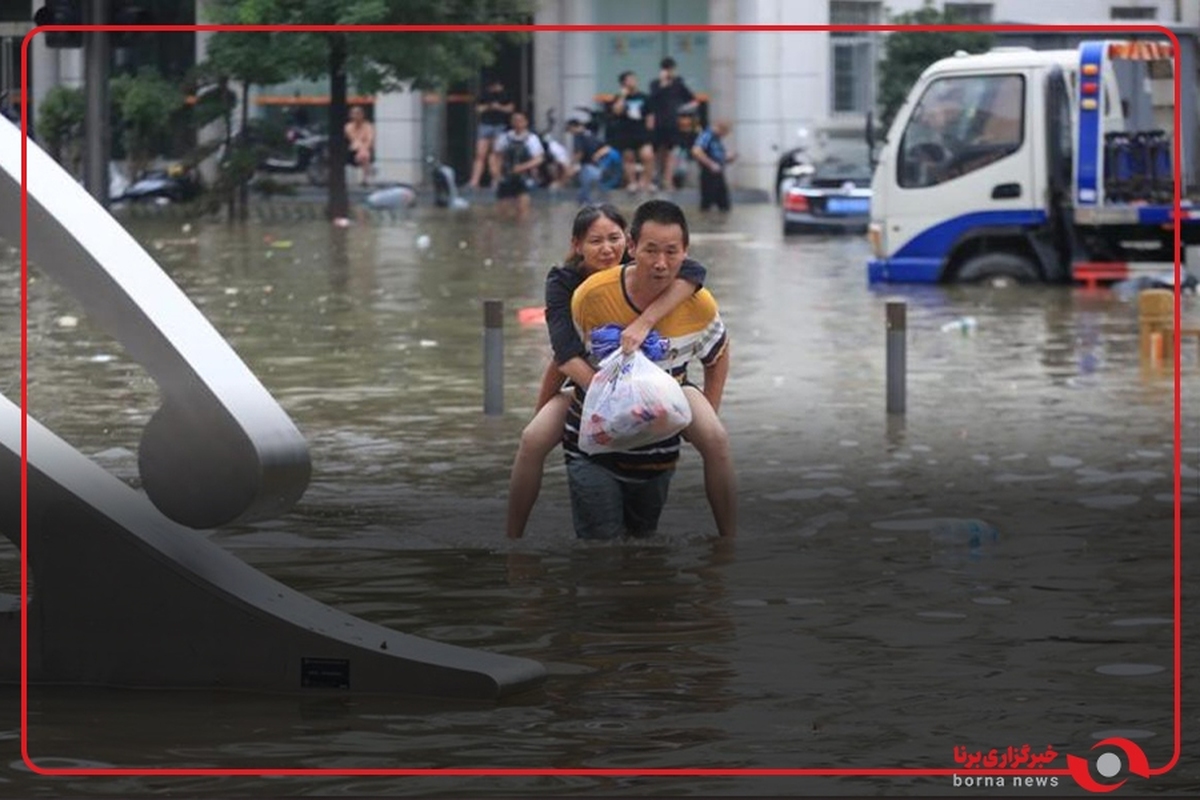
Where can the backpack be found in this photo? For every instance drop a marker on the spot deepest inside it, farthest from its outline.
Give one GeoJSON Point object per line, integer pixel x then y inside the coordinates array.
{"type": "Point", "coordinates": [516, 152]}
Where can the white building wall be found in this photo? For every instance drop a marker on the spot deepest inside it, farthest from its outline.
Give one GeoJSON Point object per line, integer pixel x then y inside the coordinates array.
{"type": "Point", "coordinates": [781, 85]}
{"type": "Point", "coordinates": [398, 154]}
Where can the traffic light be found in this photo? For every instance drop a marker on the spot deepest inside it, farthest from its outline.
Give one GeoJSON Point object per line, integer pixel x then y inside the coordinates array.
{"type": "Point", "coordinates": [67, 12]}
{"type": "Point", "coordinates": [60, 12]}
{"type": "Point", "coordinates": [129, 14]}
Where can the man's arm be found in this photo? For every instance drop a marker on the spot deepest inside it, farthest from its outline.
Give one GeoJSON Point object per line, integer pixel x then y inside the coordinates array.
{"type": "Point", "coordinates": [636, 332]}
{"type": "Point", "coordinates": [536, 152]}
{"type": "Point", "coordinates": [368, 139]}
{"type": "Point", "coordinates": [715, 373]}
{"type": "Point", "coordinates": [530, 165]}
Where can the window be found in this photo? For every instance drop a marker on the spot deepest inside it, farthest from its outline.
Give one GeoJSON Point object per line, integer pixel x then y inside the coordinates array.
{"type": "Point", "coordinates": [1133, 12]}
{"type": "Point", "coordinates": [969, 13]}
{"type": "Point", "coordinates": [852, 56]}
{"type": "Point", "coordinates": [961, 125]}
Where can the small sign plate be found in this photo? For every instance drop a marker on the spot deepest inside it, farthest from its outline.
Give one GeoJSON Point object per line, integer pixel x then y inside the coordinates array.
{"type": "Point", "coordinates": [325, 673]}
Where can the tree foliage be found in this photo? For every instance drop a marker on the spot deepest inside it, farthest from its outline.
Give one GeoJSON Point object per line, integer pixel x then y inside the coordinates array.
{"type": "Point", "coordinates": [906, 54]}
{"type": "Point", "coordinates": [370, 62]}
{"type": "Point", "coordinates": [60, 124]}
{"type": "Point", "coordinates": [145, 103]}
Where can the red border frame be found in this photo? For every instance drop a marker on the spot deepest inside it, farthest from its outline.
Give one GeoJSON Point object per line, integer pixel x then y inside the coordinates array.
{"type": "Point", "coordinates": [552, 771]}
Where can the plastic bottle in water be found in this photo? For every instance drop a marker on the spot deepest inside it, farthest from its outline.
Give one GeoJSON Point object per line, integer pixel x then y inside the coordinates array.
{"type": "Point", "coordinates": [971, 533]}
{"type": "Point", "coordinates": [966, 325]}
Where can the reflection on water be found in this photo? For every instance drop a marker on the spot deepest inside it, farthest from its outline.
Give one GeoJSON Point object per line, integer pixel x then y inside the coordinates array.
{"type": "Point", "coordinates": [849, 626]}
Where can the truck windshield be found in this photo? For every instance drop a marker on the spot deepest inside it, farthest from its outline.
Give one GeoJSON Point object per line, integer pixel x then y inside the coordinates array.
{"type": "Point", "coordinates": [961, 124]}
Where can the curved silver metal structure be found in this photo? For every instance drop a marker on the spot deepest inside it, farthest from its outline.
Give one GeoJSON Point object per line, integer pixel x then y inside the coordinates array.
{"type": "Point", "coordinates": [123, 592]}
{"type": "Point", "coordinates": [219, 448]}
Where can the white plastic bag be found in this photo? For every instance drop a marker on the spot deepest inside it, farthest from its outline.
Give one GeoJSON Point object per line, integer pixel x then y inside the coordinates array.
{"type": "Point", "coordinates": [632, 402]}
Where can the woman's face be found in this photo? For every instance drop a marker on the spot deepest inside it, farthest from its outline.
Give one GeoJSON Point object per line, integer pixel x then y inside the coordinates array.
{"type": "Point", "coordinates": [602, 246]}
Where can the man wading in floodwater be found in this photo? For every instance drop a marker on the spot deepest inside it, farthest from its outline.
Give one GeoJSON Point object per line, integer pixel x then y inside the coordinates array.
{"type": "Point", "coordinates": [624, 493]}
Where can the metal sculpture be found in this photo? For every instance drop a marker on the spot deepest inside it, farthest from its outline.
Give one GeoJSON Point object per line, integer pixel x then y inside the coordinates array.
{"type": "Point", "coordinates": [124, 592]}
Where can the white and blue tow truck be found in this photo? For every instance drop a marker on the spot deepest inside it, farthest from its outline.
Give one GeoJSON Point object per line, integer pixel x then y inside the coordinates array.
{"type": "Point", "coordinates": [1031, 165]}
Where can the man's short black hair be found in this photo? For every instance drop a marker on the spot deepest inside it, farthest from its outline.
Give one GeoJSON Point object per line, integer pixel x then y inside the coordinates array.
{"type": "Point", "coordinates": [667, 63]}
{"type": "Point", "coordinates": [621, 78]}
{"type": "Point", "coordinates": [662, 212]}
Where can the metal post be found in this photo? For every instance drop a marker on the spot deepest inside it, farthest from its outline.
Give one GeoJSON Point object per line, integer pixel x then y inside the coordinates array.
{"type": "Point", "coordinates": [897, 329]}
{"type": "Point", "coordinates": [97, 150]}
{"type": "Point", "coordinates": [6, 76]}
{"type": "Point", "coordinates": [493, 357]}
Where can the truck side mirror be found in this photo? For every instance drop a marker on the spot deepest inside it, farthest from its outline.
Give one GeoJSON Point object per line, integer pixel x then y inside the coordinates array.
{"type": "Point", "coordinates": [871, 139]}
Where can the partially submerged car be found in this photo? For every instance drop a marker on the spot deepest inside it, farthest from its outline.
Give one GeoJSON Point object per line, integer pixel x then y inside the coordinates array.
{"type": "Point", "coordinates": [834, 198]}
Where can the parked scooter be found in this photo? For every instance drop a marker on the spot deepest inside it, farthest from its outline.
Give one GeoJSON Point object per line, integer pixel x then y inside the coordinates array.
{"type": "Point", "coordinates": [557, 155]}
{"type": "Point", "coordinates": [310, 156]}
{"type": "Point", "coordinates": [175, 184]}
{"type": "Point", "coordinates": [445, 185]}
{"type": "Point", "coordinates": [794, 167]}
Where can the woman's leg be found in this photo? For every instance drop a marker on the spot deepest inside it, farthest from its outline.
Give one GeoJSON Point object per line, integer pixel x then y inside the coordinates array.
{"type": "Point", "coordinates": [540, 436]}
{"type": "Point", "coordinates": [708, 435]}
{"type": "Point", "coordinates": [482, 148]}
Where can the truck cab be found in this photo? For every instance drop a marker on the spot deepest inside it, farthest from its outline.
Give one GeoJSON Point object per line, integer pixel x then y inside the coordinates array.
{"type": "Point", "coordinates": [994, 168]}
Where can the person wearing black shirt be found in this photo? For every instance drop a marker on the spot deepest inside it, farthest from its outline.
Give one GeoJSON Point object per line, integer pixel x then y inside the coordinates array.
{"type": "Point", "coordinates": [669, 97]}
{"type": "Point", "coordinates": [630, 136]}
{"type": "Point", "coordinates": [495, 110]}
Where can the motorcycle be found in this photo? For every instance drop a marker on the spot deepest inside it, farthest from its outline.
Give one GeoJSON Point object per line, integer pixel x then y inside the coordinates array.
{"type": "Point", "coordinates": [175, 184]}
{"type": "Point", "coordinates": [309, 155]}
{"type": "Point", "coordinates": [445, 185]}
{"type": "Point", "coordinates": [794, 167]}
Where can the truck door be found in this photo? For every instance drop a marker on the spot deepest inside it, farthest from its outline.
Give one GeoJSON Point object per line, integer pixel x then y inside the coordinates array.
{"type": "Point", "coordinates": [1059, 159]}
{"type": "Point", "coordinates": [964, 161]}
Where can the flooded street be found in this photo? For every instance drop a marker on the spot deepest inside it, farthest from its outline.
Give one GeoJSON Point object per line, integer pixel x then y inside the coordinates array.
{"type": "Point", "coordinates": [853, 624]}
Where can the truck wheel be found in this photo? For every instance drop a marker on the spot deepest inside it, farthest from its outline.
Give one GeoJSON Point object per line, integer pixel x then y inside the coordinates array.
{"type": "Point", "coordinates": [998, 269]}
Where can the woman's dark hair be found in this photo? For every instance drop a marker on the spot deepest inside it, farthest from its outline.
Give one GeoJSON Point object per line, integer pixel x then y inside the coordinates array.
{"type": "Point", "coordinates": [583, 222]}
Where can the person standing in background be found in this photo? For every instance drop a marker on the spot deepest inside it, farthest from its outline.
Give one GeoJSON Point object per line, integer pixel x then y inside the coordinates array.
{"type": "Point", "coordinates": [709, 152]}
{"type": "Point", "coordinates": [630, 137]}
{"type": "Point", "coordinates": [669, 97]}
{"type": "Point", "coordinates": [514, 162]}
{"type": "Point", "coordinates": [495, 109]}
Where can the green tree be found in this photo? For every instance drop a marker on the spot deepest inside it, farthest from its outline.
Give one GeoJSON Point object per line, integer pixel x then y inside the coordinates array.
{"type": "Point", "coordinates": [906, 54]}
{"type": "Point", "coordinates": [374, 62]}
{"type": "Point", "coordinates": [60, 124]}
{"type": "Point", "coordinates": [145, 103]}
{"type": "Point", "coordinates": [249, 59]}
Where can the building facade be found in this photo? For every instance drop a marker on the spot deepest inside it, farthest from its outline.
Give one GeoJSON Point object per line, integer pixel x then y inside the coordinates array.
{"type": "Point", "coordinates": [770, 84]}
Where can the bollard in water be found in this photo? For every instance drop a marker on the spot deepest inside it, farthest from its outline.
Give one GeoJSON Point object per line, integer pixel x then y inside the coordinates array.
{"type": "Point", "coordinates": [493, 357]}
{"type": "Point", "coordinates": [897, 330]}
{"type": "Point", "coordinates": [1156, 315]}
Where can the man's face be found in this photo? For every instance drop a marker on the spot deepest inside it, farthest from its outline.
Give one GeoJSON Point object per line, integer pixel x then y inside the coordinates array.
{"type": "Point", "coordinates": [659, 252]}
{"type": "Point", "coordinates": [519, 122]}
{"type": "Point", "coordinates": [630, 83]}
{"type": "Point", "coordinates": [356, 114]}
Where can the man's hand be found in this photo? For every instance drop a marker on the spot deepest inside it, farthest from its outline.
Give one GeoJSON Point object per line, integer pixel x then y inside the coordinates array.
{"type": "Point", "coordinates": [633, 335]}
